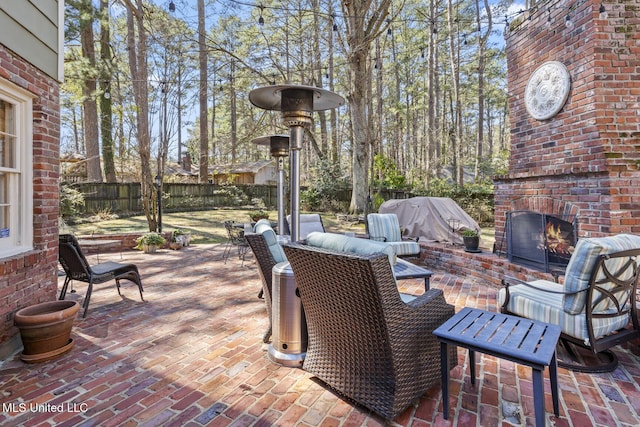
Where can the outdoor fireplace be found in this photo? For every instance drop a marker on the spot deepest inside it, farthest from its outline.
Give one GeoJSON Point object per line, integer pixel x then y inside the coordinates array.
{"type": "Point", "coordinates": [541, 241]}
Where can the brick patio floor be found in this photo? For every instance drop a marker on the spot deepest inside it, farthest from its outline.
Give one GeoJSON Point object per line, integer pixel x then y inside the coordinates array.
{"type": "Point", "coordinates": [192, 355]}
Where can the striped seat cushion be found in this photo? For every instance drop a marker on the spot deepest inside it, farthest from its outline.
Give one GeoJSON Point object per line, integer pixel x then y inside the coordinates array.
{"type": "Point", "coordinates": [583, 261]}
{"type": "Point", "coordinates": [527, 301]}
{"type": "Point", "coordinates": [406, 247]}
{"type": "Point", "coordinates": [384, 226]}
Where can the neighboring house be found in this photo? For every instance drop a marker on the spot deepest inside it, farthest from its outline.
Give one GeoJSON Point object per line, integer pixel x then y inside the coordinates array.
{"type": "Point", "coordinates": [31, 40]}
{"type": "Point", "coordinates": [260, 172]}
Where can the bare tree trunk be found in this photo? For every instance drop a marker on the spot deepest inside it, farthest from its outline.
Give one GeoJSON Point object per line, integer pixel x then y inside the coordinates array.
{"type": "Point", "coordinates": [137, 63]}
{"type": "Point", "coordinates": [204, 124]}
{"type": "Point", "coordinates": [106, 120]}
{"type": "Point", "coordinates": [481, 61]}
{"type": "Point", "coordinates": [363, 20]}
{"type": "Point", "coordinates": [90, 125]}
{"type": "Point", "coordinates": [234, 113]}
{"type": "Point", "coordinates": [335, 148]}
{"type": "Point", "coordinates": [431, 155]}
{"type": "Point", "coordinates": [379, 117]}
{"type": "Point", "coordinates": [456, 138]}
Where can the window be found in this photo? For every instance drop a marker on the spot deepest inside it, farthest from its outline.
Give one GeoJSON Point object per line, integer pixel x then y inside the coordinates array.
{"type": "Point", "coordinates": [16, 183]}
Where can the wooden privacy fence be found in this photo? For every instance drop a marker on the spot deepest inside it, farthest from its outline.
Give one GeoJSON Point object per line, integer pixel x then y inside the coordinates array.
{"type": "Point", "coordinates": [126, 197]}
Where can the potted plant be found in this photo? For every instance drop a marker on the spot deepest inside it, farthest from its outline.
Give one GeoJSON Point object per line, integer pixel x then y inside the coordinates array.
{"type": "Point", "coordinates": [45, 329]}
{"type": "Point", "coordinates": [471, 240]}
{"type": "Point", "coordinates": [257, 215]}
{"type": "Point", "coordinates": [259, 212]}
{"type": "Point", "coordinates": [180, 238]}
{"type": "Point", "coordinates": [149, 242]}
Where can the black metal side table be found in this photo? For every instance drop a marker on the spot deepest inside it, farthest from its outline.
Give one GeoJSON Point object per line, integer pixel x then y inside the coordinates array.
{"type": "Point", "coordinates": [524, 341]}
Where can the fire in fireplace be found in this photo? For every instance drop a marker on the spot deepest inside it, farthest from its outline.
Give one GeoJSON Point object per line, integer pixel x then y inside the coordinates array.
{"type": "Point", "coordinates": [541, 241]}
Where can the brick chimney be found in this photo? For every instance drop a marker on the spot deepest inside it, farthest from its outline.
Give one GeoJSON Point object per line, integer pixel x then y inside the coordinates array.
{"type": "Point", "coordinates": [585, 160]}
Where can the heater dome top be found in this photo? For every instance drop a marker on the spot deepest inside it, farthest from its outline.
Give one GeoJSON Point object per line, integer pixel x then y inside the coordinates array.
{"type": "Point", "coordinates": [270, 97]}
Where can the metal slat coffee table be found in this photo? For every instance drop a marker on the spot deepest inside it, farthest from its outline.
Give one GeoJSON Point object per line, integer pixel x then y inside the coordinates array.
{"type": "Point", "coordinates": [520, 340]}
{"type": "Point", "coordinates": [405, 270]}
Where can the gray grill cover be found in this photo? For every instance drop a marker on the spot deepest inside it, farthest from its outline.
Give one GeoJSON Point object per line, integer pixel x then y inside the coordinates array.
{"type": "Point", "coordinates": [430, 218]}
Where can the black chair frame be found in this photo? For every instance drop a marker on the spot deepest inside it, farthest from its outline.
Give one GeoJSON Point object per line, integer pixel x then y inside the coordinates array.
{"type": "Point", "coordinates": [76, 267]}
{"type": "Point", "coordinates": [604, 285]}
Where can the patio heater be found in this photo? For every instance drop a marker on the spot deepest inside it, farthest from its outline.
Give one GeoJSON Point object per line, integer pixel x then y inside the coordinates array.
{"type": "Point", "coordinates": [297, 104]}
{"type": "Point", "coordinates": [279, 147]}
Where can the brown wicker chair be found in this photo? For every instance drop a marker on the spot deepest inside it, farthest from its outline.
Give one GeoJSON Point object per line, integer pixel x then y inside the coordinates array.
{"type": "Point", "coordinates": [364, 341]}
{"type": "Point", "coordinates": [267, 251]}
{"type": "Point", "coordinates": [265, 265]}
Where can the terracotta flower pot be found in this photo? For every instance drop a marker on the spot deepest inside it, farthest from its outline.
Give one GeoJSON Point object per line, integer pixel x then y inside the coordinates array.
{"type": "Point", "coordinates": [45, 329]}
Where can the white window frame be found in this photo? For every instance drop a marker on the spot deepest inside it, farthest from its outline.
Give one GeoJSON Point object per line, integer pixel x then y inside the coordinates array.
{"type": "Point", "coordinates": [20, 178]}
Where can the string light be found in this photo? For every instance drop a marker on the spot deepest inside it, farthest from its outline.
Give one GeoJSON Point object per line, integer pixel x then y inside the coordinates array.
{"type": "Point", "coordinates": [172, 6]}
{"type": "Point", "coordinates": [603, 12]}
{"type": "Point", "coordinates": [261, 19]}
{"type": "Point", "coordinates": [568, 22]}
{"type": "Point", "coordinates": [549, 18]}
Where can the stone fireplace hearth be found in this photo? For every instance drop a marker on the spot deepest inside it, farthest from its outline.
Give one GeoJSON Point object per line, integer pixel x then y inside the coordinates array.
{"type": "Point", "coordinates": [583, 160]}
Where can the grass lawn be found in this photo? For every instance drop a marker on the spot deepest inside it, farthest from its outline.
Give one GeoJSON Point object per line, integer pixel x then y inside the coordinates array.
{"type": "Point", "coordinates": [208, 226]}
{"type": "Point", "coordinates": [205, 226]}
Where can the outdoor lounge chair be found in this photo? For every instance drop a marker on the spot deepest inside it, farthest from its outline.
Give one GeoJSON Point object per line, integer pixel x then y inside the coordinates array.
{"type": "Point", "coordinates": [363, 340]}
{"type": "Point", "coordinates": [308, 223]}
{"type": "Point", "coordinates": [595, 307]}
{"type": "Point", "coordinates": [76, 267]}
{"type": "Point", "coordinates": [386, 228]}
{"type": "Point", "coordinates": [268, 253]}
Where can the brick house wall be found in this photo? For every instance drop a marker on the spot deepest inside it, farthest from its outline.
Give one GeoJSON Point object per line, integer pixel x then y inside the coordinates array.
{"type": "Point", "coordinates": [31, 277]}
{"type": "Point", "coordinates": [586, 159]}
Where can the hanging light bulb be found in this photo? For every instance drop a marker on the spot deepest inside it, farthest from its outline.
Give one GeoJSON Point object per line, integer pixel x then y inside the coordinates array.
{"type": "Point", "coordinates": [172, 6]}
{"type": "Point", "coordinates": [549, 19]}
{"type": "Point", "coordinates": [568, 22]}
{"type": "Point", "coordinates": [389, 27]}
{"type": "Point", "coordinates": [261, 19]}
{"type": "Point", "coordinates": [603, 12]}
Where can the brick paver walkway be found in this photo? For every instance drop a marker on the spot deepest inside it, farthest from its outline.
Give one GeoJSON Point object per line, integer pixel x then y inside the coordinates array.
{"type": "Point", "coordinates": [192, 355]}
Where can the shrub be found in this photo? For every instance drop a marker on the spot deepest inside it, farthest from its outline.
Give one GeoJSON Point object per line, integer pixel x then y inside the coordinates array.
{"type": "Point", "coordinates": [70, 200]}
{"type": "Point", "coordinates": [150, 239]}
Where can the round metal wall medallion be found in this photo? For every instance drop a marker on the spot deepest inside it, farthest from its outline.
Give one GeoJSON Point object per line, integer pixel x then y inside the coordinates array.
{"type": "Point", "coordinates": [547, 90]}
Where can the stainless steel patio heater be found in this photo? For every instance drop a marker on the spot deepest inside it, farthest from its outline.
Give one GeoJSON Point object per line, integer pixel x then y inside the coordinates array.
{"type": "Point", "coordinates": [297, 104]}
{"type": "Point", "coordinates": [279, 147]}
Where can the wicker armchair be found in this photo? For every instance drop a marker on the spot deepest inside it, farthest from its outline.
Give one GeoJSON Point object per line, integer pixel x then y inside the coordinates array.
{"type": "Point", "coordinates": [364, 341]}
{"type": "Point", "coordinates": [267, 252]}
